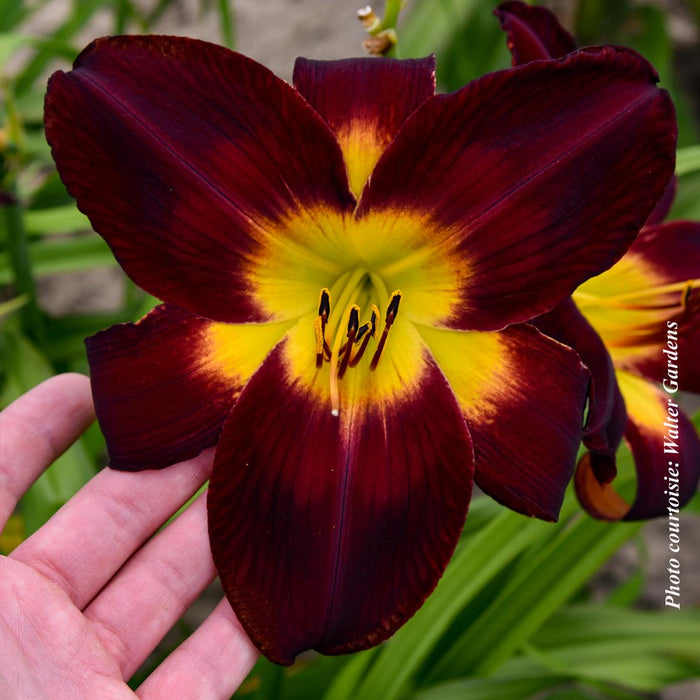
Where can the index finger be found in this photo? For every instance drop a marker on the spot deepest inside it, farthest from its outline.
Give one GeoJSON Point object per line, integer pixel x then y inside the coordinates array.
{"type": "Point", "coordinates": [36, 429]}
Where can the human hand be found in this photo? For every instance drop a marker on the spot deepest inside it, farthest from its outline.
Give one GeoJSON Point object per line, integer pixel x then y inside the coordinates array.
{"type": "Point", "coordinates": [85, 599]}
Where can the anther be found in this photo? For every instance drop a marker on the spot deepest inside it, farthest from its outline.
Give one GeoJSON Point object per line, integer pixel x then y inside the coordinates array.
{"type": "Point", "coordinates": [324, 304]}
{"type": "Point", "coordinates": [324, 310]}
{"type": "Point", "coordinates": [361, 331]}
{"type": "Point", "coordinates": [391, 312]}
{"type": "Point", "coordinates": [686, 294]}
{"type": "Point", "coordinates": [320, 341]}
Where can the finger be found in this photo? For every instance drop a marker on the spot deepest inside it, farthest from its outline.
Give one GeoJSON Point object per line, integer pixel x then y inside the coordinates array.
{"type": "Point", "coordinates": [36, 429]}
{"type": "Point", "coordinates": [154, 589]}
{"type": "Point", "coordinates": [210, 664]}
{"type": "Point", "coordinates": [88, 540]}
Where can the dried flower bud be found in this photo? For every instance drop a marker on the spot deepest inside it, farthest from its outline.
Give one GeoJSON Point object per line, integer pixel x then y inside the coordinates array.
{"type": "Point", "coordinates": [379, 44]}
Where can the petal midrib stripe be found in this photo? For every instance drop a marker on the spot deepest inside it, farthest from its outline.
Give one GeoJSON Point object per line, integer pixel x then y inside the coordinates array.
{"type": "Point", "coordinates": [531, 181]}
{"type": "Point", "coordinates": [146, 127]}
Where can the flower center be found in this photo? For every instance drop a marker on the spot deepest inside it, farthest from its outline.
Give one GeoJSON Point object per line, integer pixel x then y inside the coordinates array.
{"type": "Point", "coordinates": [349, 338]}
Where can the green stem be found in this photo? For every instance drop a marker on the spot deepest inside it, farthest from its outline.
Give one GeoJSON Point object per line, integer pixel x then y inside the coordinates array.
{"type": "Point", "coordinates": [391, 14]}
{"type": "Point", "coordinates": [122, 12]}
{"type": "Point", "coordinates": [32, 319]}
{"type": "Point", "coordinates": [391, 17]}
{"type": "Point", "coordinates": [227, 24]}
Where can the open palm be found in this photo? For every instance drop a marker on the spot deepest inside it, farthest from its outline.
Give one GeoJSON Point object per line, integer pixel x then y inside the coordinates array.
{"type": "Point", "coordinates": [85, 599]}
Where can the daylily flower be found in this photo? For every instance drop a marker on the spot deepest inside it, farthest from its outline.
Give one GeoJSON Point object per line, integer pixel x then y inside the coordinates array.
{"type": "Point", "coordinates": [342, 265]}
{"type": "Point", "coordinates": [642, 317]}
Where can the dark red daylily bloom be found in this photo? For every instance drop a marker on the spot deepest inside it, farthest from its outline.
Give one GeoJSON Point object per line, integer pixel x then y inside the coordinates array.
{"type": "Point", "coordinates": [341, 265]}
{"type": "Point", "coordinates": [642, 318]}
{"type": "Point", "coordinates": [646, 309]}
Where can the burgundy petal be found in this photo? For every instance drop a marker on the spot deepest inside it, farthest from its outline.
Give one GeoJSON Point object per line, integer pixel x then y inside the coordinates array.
{"type": "Point", "coordinates": [365, 102]}
{"type": "Point", "coordinates": [533, 32]}
{"type": "Point", "coordinates": [663, 206]}
{"type": "Point", "coordinates": [186, 156]}
{"type": "Point", "coordinates": [523, 395]}
{"type": "Point", "coordinates": [651, 500]}
{"type": "Point", "coordinates": [605, 423]}
{"type": "Point", "coordinates": [534, 178]}
{"type": "Point", "coordinates": [163, 386]}
{"type": "Point", "coordinates": [666, 452]}
{"type": "Point", "coordinates": [329, 532]}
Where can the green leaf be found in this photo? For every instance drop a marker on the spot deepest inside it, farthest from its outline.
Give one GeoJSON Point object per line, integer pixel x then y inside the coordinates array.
{"type": "Point", "coordinates": [687, 202]}
{"type": "Point", "coordinates": [647, 671]}
{"type": "Point", "coordinates": [687, 160]}
{"type": "Point", "coordinates": [7, 308]}
{"type": "Point", "coordinates": [643, 650]}
{"type": "Point", "coordinates": [226, 23]}
{"type": "Point", "coordinates": [651, 630]}
{"type": "Point", "coordinates": [17, 268]}
{"type": "Point", "coordinates": [477, 47]}
{"type": "Point", "coordinates": [599, 645]}
{"type": "Point", "coordinates": [583, 694]}
{"type": "Point", "coordinates": [351, 675]}
{"type": "Point", "coordinates": [25, 367]}
{"type": "Point", "coordinates": [532, 595]}
{"type": "Point", "coordinates": [62, 219]}
{"type": "Point", "coordinates": [12, 12]}
{"type": "Point", "coordinates": [81, 14]}
{"type": "Point", "coordinates": [488, 689]}
{"type": "Point", "coordinates": [51, 256]}
{"type": "Point", "coordinates": [271, 680]}
{"type": "Point", "coordinates": [10, 42]}
{"type": "Point", "coordinates": [475, 565]}
{"type": "Point", "coordinates": [311, 676]}
{"type": "Point", "coordinates": [429, 27]}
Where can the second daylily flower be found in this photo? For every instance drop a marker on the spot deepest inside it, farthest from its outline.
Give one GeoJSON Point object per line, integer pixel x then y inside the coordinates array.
{"type": "Point", "coordinates": [342, 265]}
{"type": "Point", "coordinates": [637, 327]}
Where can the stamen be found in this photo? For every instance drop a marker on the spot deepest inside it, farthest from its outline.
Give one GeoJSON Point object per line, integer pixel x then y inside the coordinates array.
{"type": "Point", "coordinates": [391, 312]}
{"type": "Point", "coordinates": [349, 347]}
{"type": "Point", "coordinates": [687, 294]}
{"type": "Point", "coordinates": [353, 325]}
{"type": "Point", "coordinates": [367, 331]}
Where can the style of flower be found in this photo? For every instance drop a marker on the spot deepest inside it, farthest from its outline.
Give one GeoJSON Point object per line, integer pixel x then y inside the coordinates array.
{"type": "Point", "coordinates": [640, 317]}
{"type": "Point", "coordinates": [344, 265]}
